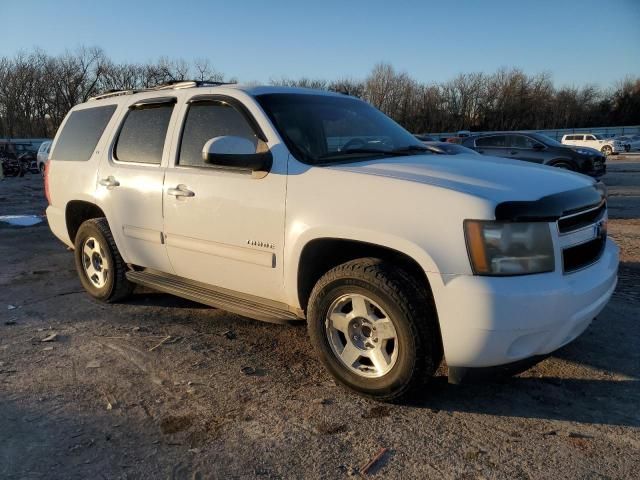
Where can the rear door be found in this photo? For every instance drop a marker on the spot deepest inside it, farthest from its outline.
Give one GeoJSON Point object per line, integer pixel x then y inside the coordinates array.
{"type": "Point", "coordinates": [130, 181]}
{"type": "Point", "coordinates": [495, 145]}
{"type": "Point", "coordinates": [225, 226]}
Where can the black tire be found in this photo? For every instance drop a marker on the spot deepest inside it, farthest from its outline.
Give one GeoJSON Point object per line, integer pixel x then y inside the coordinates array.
{"type": "Point", "coordinates": [564, 166]}
{"type": "Point", "coordinates": [606, 150]}
{"type": "Point", "coordinates": [410, 307]}
{"type": "Point", "coordinates": [116, 286]}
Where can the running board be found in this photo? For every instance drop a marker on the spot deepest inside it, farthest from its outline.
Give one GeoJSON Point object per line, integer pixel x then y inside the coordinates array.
{"type": "Point", "coordinates": [242, 304]}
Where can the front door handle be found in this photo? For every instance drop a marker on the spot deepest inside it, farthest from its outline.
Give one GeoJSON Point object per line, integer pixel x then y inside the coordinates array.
{"type": "Point", "coordinates": [180, 191]}
{"type": "Point", "coordinates": [110, 181]}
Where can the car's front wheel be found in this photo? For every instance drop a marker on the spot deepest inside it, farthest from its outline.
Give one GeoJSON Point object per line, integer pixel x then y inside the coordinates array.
{"type": "Point", "coordinates": [100, 267]}
{"type": "Point", "coordinates": [375, 328]}
{"type": "Point", "coordinates": [606, 150]}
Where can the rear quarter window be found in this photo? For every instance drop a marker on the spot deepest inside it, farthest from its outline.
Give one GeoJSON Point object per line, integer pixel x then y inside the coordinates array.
{"type": "Point", "coordinates": [81, 133]}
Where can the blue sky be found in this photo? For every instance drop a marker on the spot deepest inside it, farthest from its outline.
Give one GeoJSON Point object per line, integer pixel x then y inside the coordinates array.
{"type": "Point", "coordinates": [578, 42]}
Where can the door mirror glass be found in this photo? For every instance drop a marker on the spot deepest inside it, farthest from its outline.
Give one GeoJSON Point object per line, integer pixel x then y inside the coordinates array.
{"type": "Point", "coordinates": [235, 152]}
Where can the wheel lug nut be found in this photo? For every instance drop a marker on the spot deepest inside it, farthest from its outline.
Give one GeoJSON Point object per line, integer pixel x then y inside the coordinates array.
{"type": "Point", "coordinates": [375, 340]}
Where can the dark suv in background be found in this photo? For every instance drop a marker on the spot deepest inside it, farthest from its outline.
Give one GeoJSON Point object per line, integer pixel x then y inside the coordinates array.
{"type": "Point", "coordinates": [538, 148]}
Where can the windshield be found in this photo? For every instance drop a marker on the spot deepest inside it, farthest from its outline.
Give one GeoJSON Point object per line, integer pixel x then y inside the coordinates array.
{"type": "Point", "coordinates": [322, 129]}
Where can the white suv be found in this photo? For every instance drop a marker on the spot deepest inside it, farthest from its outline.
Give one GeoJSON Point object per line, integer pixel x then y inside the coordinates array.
{"type": "Point", "coordinates": [289, 204]}
{"type": "Point", "coordinates": [593, 140]}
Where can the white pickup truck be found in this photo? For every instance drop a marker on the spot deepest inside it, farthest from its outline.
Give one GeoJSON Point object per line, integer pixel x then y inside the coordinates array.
{"type": "Point", "coordinates": [291, 204]}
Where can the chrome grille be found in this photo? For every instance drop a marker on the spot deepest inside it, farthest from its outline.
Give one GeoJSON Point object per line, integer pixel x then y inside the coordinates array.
{"type": "Point", "coordinates": [582, 237]}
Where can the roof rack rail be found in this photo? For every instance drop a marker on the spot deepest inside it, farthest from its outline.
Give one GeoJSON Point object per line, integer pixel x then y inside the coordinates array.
{"type": "Point", "coordinates": [176, 84]}
{"type": "Point", "coordinates": [172, 85]}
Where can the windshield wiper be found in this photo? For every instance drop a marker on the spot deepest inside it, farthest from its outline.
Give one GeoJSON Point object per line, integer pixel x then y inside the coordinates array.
{"type": "Point", "coordinates": [408, 150]}
{"type": "Point", "coordinates": [360, 151]}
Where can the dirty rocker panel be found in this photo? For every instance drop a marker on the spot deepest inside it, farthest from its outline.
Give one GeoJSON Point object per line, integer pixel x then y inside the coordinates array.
{"type": "Point", "coordinates": [235, 302]}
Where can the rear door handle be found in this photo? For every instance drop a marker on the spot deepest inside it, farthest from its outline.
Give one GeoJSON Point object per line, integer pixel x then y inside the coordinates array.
{"type": "Point", "coordinates": [110, 181]}
{"type": "Point", "coordinates": [180, 191]}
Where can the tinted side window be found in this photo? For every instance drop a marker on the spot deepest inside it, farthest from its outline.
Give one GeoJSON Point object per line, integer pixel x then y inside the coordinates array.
{"type": "Point", "coordinates": [520, 141]}
{"type": "Point", "coordinates": [141, 138]}
{"type": "Point", "coordinates": [493, 141]}
{"type": "Point", "coordinates": [81, 133]}
{"type": "Point", "coordinates": [590, 137]}
{"type": "Point", "coordinates": [206, 120]}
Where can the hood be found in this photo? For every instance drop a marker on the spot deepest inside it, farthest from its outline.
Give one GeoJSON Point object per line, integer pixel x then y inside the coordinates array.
{"type": "Point", "coordinates": [491, 178]}
{"type": "Point", "coordinates": [593, 151]}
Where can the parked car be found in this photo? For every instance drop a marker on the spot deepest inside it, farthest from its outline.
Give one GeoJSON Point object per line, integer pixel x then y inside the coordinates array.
{"type": "Point", "coordinates": [631, 142]}
{"type": "Point", "coordinates": [448, 148]}
{"type": "Point", "coordinates": [286, 204]}
{"type": "Point", "coordinates": [538, 148]}
{"type": "Point", "coordinates": [43, 155]}
{"type": "Point", "coordinates": [596, 141]}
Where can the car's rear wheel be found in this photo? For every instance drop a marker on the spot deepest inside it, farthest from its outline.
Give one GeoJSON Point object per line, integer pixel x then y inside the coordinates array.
{"type": "Point", "coordinates": [375, 328]}
{"type": "Point", "coordinates": [606, 150]}
{"type": "Point", "coordinates": [100, 267]}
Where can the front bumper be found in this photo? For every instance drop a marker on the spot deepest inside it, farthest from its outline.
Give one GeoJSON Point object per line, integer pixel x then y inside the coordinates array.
{"type": "Point", "coordinates": [490, 321]}
{"type": "Point", "coordinates": [618, 148]}
{"type": "Point", "coordinates": [596, 169]}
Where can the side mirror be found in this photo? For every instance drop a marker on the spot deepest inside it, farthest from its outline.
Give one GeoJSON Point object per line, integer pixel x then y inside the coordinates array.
{"type": "Point", "coordinates": [235, 152]}
{"type": "Point", "coordinates": [538, 146]}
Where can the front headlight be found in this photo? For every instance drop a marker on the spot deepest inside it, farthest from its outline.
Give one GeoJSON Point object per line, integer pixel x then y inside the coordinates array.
{"type": "Point", "coordinates": [505, 248]}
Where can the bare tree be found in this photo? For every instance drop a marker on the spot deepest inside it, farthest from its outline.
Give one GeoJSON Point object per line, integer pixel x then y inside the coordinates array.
{"type": "Point", "coordinates": [37, 90]}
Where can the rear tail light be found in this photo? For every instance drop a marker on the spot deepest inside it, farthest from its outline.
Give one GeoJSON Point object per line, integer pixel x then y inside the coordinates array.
{"type": "Point", "coordinates": [47, 167]}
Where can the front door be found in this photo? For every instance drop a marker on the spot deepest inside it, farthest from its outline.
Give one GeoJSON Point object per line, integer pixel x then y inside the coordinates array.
{"type": "Point", "coordinates": [224, 226]}
{"type": "Point", "coordinates": [524, 148]}
{"type": "Point", "coordinates": [130, 181]}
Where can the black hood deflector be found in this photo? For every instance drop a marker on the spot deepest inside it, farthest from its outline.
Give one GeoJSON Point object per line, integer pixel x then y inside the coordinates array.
{"type": "Point", "coordinates": [551, 207]}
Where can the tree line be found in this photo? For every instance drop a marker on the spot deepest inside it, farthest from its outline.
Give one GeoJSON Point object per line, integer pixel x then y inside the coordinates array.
{"type": "Point", "coordinates": [38, 89]}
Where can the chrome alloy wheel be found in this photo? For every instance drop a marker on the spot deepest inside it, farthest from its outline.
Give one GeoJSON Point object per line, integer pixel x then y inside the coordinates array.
{"type": "Point", "coordinates": [95, 263]}
{"type": "Point", "coordinates": [361, 335]}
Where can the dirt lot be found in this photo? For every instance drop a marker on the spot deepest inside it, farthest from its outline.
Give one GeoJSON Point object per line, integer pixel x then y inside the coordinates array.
{"type": "Point", "coordinates": [228, 397]}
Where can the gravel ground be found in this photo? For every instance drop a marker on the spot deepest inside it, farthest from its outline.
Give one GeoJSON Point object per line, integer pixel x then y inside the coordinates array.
{"type": "Point", "coordinates": [227, 397]}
